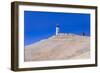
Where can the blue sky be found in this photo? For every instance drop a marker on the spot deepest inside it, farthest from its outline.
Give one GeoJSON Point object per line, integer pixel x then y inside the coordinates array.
{"type": "Point", "coordinates": [41, 25]}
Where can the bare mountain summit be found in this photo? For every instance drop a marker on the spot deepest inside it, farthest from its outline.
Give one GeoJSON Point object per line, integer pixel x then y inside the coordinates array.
{"type": "Point", "coordinates": [59, 47]}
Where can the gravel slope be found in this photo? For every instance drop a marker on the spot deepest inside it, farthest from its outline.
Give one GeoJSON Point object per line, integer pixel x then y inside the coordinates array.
{"type": "Point", "coordinates": [63, 46]}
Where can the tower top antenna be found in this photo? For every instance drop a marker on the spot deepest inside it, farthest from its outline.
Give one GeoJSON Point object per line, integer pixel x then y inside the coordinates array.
{"type": "Point", "coordinates": [57, 25]}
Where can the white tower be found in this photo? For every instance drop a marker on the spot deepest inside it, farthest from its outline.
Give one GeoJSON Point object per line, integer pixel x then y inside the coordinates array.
{"type": "Point", "coordinates": [57, 29]}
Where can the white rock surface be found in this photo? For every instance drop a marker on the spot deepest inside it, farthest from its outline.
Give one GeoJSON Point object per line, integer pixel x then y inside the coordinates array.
{"type": "Point", "coordinates": [62, 46]}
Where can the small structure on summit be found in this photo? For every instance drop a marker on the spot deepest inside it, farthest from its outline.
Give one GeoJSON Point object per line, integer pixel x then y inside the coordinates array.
{"type": "Point", "coordinates": [57, 29]}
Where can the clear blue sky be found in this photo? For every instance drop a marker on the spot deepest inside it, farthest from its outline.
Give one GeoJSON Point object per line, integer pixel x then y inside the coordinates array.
{"type": "Point", "coordinates": [41, 25]}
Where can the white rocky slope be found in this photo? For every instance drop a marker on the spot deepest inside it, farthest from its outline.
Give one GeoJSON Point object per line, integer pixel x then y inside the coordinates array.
{"type": "Point", "coordinates": [62, 46]}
